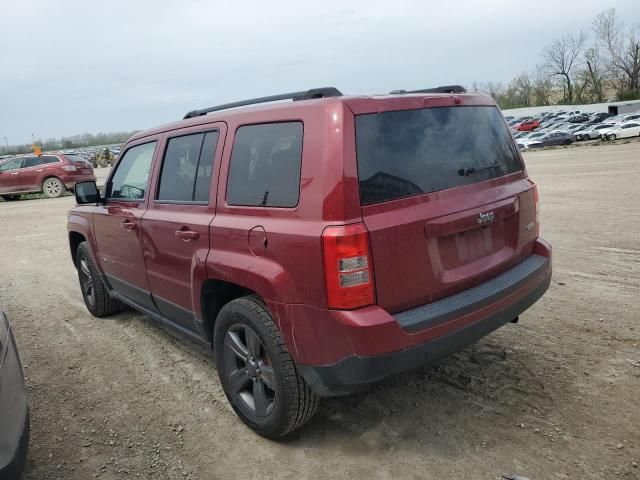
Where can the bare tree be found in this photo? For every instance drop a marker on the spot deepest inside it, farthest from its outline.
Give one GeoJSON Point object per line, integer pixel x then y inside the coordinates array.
{"type": "Point", "coordinates": [562, 57]}
{"type": "Point", "coordinates": [523, 89]}
{"type": "Point", "coordinates": [594, 76]}
{"type": "Point", "coordinates": [542, 89]}
{"type": "Point", "coordinates": [623, 49]}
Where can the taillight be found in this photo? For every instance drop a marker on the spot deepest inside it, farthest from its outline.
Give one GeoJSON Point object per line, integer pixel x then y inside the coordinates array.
{"type": "Point", "coordinates": [347, 266]}
{"type": "Point", "coordinates": [536, 201]}
{"type": "Point", "coordinates": [69, 168]}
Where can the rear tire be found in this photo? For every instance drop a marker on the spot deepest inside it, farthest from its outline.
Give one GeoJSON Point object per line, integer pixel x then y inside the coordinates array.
{"type": "Point", "coordinates": [53, 187]}
{"type": "Point", "coordinates": [94, 292]}
{"type": "Point", "coordinates": [10, 198]}
{"type": "Point", "coordinates": [259, 377]}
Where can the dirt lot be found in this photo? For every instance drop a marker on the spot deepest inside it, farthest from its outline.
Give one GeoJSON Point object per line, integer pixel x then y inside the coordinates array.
{"type": "Point", "coordinates": [556, 396]}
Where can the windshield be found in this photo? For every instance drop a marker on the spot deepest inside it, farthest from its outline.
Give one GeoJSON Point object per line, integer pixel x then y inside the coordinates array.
{"type": "Point", "coordinates": [410, 152]}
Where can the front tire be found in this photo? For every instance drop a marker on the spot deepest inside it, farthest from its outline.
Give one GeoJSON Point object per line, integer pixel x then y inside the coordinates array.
{"type": "Point", "coordinates": [258, 375]}
{"type": "Point", "coordinates": [94, 292]}
{"type": "Point", "coordinates": [53, 187]}
{"type": "Point", "coordinates": [612, 136]}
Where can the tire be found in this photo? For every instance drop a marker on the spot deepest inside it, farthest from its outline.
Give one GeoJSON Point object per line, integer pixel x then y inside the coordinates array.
{"type": "Point", "coordinates": [94, 292]}
{"type": "Point", "coordinates": [247, 345]}
{"type": "Point", "coordinates": [53, 187]}
{"type": "Point", "coordinates": [16, 467]}
{"type": "Point", "coordinates": [567, 142]}
{"type": "Point", "coordinates": [612, 136]}
{"type": "Point", "coordinates": [10, 198]}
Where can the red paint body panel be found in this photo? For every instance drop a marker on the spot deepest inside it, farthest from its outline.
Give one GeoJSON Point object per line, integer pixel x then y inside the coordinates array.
{"type": "Point", "coordinates": [528, 126]}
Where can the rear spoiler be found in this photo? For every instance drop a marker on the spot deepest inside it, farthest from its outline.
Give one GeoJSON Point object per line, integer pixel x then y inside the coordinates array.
{"type": "Point", "coordinates": [442, 89]}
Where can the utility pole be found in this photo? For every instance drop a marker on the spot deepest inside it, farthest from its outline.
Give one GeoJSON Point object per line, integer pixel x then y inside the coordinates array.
{"type": "Point", "coordinates": [33, 139]}
{"type": "Point", "coordinates": [7, 142]}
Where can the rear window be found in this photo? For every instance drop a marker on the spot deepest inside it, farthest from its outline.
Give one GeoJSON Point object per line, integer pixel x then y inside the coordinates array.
{"type": "Point", "coordinates": [75, 158]}
{"type": "Point", "coordinates": [411, 152]}
{"type": "Point", "coordinates": [265, 165]}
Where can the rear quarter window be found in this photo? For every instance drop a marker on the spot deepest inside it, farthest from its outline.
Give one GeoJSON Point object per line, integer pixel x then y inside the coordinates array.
{"type": "Point", "coordinates": [412, 152]}
{"type": "Point", "coordinates": [265, 165]}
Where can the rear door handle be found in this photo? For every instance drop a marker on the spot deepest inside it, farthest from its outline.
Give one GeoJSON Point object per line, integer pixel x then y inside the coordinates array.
{"type": "Point", "coordinates": [129, 225]}
{"type": "Point", "coordinates": [187, 235]}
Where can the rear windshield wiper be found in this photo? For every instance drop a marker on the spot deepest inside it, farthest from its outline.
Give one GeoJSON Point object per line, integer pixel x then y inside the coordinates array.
{"type": "Point", "coordinates": [471, 170]}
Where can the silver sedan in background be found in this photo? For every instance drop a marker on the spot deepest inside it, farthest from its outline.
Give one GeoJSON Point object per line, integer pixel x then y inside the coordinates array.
{"type": "Point", "coordinates": [14, 411]}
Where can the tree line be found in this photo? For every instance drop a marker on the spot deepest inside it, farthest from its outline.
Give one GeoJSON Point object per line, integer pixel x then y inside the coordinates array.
{"type": "Point", "coordinates": [66, 143]}
{"type": "Point", "coordinates": [591, 66]}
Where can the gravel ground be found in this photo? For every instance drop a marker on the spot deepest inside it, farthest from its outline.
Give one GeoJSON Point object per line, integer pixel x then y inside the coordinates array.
{"type": "Point", "coordinates": [555, 396]}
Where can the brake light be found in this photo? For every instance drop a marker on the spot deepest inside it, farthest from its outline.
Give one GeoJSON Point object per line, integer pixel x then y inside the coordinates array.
{"type": "Point", "coordinates": [69, 168]}
{"type": "Point", "coordinates": [347, 266]}
{"type": "Point", "coordinates": [536, 201]}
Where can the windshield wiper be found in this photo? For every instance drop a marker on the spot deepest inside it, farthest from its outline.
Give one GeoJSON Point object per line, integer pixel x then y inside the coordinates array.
{"type": "Point", "coordinates": [471, 170]}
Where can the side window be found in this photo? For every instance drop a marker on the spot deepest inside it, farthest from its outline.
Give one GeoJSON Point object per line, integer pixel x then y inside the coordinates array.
{"type": "Point", "coordinates": [11, 165]}
{"type": "Point", "coordinates": [49, 159]}
{"type": "Point", "coordinates": [187, 168]}
{"type": "Point", "coordinates": [129, 182]}
{"type": "Point", "coordinates": [205, 167]}
{"type": "Point", "coordinates": [31, 162]}
{"type": "Point", "coordinates": [265, 165]}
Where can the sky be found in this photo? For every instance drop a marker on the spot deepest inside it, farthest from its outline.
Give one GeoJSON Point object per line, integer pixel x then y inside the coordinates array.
{"type": "Point", "coordinates": [74, 66]}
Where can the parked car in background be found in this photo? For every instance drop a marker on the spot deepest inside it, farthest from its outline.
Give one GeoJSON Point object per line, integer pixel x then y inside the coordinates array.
{"type": "Point", "coordinates": [623, 130]}
{"type": "Point", "coordinates": [528, 125]}
{"type": "Point", "coordinates": [270, 233]}
{"type": "Point", "coordinates": [50, 173]}
{"type": "Point", "coordinates": [599, 118]}
{"type": "Point", "coordinates": [14, 410]}
{"type": "Point", "coordinates": [580, 118]}
{"type": "Point", "coordinates": [529, 138]}
{"type": "Point", "coordinates": [553, 138]}
{"type": "Point", "coordinates": [592, 131]}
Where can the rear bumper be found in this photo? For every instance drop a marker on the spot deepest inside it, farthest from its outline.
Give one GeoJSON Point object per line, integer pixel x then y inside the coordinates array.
{"type": "Point", "coordinates": [371, 344]}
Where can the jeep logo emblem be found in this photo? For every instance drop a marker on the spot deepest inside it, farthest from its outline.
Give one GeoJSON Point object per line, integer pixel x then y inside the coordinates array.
{"type": "Point", "coordinates": [486, 217]}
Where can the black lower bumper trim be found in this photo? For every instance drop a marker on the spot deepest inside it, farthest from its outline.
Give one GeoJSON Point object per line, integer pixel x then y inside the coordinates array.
{"type": "Point", "coordinates": [13, 471]}
{"type": "Point", "coordinates": [355, 373]}
{"type": "Point", "coordinates": [446, 309]}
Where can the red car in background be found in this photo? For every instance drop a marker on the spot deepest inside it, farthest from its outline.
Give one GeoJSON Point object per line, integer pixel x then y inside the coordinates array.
{"type": "Point", "coordinates": [528, 125]}
{"type": "Point", "coordinates": [51, 174]}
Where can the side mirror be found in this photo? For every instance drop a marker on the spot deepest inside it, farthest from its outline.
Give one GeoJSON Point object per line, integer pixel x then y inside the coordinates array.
{"type": "Point", "coordinates": [87, 192]}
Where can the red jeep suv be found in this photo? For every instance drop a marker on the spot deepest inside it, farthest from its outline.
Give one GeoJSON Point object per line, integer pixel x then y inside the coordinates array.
{"type": "Point", "coordinates": [51, 173]}
{"type": "Point", "coordinates": [317, 245]}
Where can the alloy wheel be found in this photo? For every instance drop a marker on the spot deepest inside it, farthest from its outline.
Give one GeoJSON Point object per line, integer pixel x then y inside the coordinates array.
{"type": "Point", "coordinates": [249, 371]}
{"type": "Point", "coordinates": [52, 187]}
{"type": "Point", "coordinates": [86, 282]}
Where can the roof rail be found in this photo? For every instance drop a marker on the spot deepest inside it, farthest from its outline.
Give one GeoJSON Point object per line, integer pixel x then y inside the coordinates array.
{"type": "Point", "coordinates": [443, 89]}
{"type": "Point", "coordinates": [304, 95]}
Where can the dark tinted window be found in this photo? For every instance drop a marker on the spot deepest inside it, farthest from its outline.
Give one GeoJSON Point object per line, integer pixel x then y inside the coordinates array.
{"type": "Point", "coordinates": [12, 164]}
{"type": "Point", "coordinates": [49, 159]}
{"type": "Point", "coordinates": [265, 165]}
{"type": "Point", "coordinates": [187, 168]}
{"type": "Point", "coordinates": [36, 161]}
{"type": "Point", "coordinates": [129, 182]}
{"type": "Point", "coordinates": [205, 167]}
{"type": "Point", "coordinates": [410, 152]}
{"type": "Point", "coordinates": [75, 158]}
